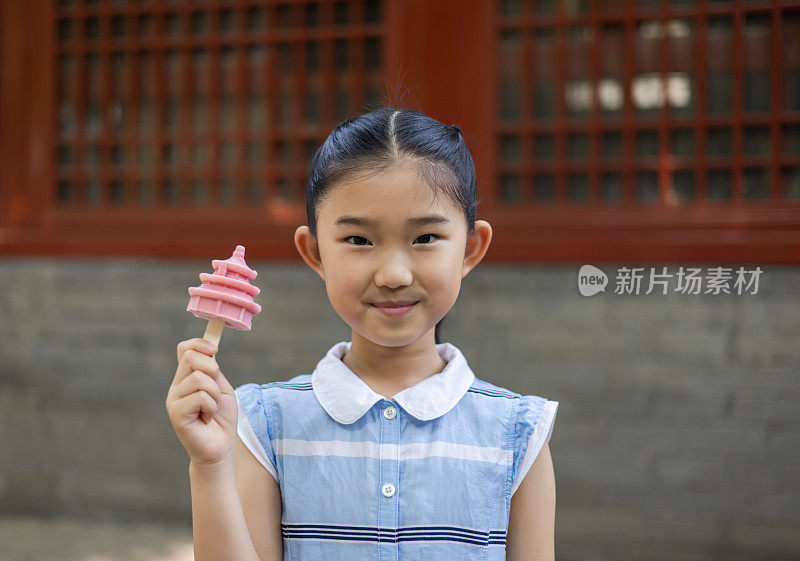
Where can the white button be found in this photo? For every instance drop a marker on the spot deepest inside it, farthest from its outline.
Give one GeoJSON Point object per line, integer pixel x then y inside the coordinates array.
{"type": "Point", "coordinates": [390, 412]}
{"type": "Point", "coordinates": [388, 489]}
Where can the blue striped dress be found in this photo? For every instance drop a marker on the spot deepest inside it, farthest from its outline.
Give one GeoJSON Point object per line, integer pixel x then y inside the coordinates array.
{"type": "Point", "coordinates": [428, 474]}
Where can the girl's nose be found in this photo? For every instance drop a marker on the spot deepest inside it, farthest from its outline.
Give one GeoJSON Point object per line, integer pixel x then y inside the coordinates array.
{"type": "Point", "coordinates": [393, 271]}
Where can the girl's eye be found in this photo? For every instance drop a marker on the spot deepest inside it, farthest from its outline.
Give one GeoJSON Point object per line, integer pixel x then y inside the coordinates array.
{"type": "Point", "coordinates": [431, 235]}
{"type": "Point", "coordinates": [356, 237]}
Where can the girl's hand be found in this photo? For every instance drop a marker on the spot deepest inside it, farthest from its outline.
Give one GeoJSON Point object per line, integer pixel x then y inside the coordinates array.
{"type": "Point", "coordinates": [202, 405]}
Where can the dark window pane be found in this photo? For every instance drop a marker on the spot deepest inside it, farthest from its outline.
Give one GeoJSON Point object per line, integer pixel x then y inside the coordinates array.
{"type": "Point", "coordinates": [791, 182]}
{"type": "Point", "coordinates": [510, 187]}
{"type": "Point", "coordinates": [118, 26]}
{"type": "Point", "coordinates": [146, 191]}
{"type": "Point", "coordinates": [172, 24]}
{"type": "Point", "coordinates": [255, 191]}
{"type": "Point", "coordinates": [612, 186]}
{"type": "Point", "coordinates": [510, 7]}
{"type": "Point", "coordinates": [578, 187]}
{"type": "Point", "coordinates": [94, 193]}
{"type": "Point", "coordinates": [510, 100]}
{"type": "Point", "coordinates": [545, 100]}
{"type": "Point", "coordinates": [719, 43]}
{"type": "Point", "coordinates": [65, 29]}
{"type": "Point", "coordinates": [283, 15]}
{"type": "Point", "coordinates": [756, 183]}
{"type": "Point", "coordinates": [341, 13]}
{"type": "Point", "coordinates": [312, 14]}
{"type": "Point", "coordinates": [256, 20]}
{"type": "Point", "coordinates": [719, 184]}
{"type": "Point", "coordinates": [647, 143]}
{"type": "Point", "coordinates": [720, 93]}
{"type": "Point", "coordinates": [342, 105]}
{"type": "Point", "coordinates": [227, 192]}
{"type": "Point", "coordinates": [510, 147]}
{"type": "Point", "coordinates": [226, 21]}
{"type": "Point", "coordinates": [647, 186]}
{"type": "Point", "coordinates": [577, 6]}
{"type": "Point", "coordinates": [199, 192]}
{"type": "Point", "coordinates": [791, 139]}
{"type": "Point", "coordinates": [545, 7]}
{"type": "Point", "coordinates": [92, 28]}
{"type": "Point", "coordinates": [372, 53]}
{"type": "Point", "coordinates": [144, 24]}
{"type": "Point", "coordinates": [544, 147]}
{"type": "Point", "coordinates": [611, 145]}
{"type": "Point", "coordinates": [578, 146]}
{"type": "Point", "coordinates": [756, 90]}
{"type": "Point", "coordinates": [544, 187]}
{"type": "Point", "coordinates": [312, 56]}
{"type": "Point", "coordinates": [757, 62]}
{"type": "Point", "coordinates": [683, 185]}
{"type": "Point", "coordinates": [66, 193]}
{"type": "Point", "coordinates": [342, 50]}
{"type": "Point", "coordinates": [199, 25]}
{"type": "Point", "coordinates": [117, 193]}
{"type": "Point", "coordinates": [372, 11]}
{"type": "Point", "coordinates": [312, 106]}
{"type": "Point", "coordinates": [719, 141]}
{"type": "Point", "coordinates": [791, 61]}
{"type": "Point", "coordinates": [311, 149]}
{"type": "Point", "coordinates": [756, 140]}
{"type": "Point", "coordinates": [683, 142]}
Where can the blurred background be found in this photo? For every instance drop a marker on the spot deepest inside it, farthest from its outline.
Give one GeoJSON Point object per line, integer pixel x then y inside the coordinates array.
{"type": "Point", "coordinates": [141, 139]}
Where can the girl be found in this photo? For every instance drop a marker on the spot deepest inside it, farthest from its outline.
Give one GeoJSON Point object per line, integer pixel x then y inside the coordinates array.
{"type": "Point", "coordinates": [391, 448]}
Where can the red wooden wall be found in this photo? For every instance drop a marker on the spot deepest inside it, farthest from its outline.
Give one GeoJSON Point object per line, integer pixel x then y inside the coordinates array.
{"type": "Point", "coordinates": [636, 131]}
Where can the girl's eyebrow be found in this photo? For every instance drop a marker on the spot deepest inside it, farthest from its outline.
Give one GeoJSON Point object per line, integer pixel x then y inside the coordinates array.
{"type": "Point", "coordinates": [369, 222]}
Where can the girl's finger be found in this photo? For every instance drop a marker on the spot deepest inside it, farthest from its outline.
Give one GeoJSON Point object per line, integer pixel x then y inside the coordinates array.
{"type": "Point", "coordinates": [194, 360]}
{"type": "Point", "coordinates": [198, 344]}
{"type": "Point", "coordinates": [197, 403]}
{"type": "Point", "coordinates": [196, 381]}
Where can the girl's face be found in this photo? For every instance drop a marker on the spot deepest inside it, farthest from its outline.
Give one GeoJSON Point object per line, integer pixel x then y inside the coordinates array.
{"type": "Point", "coordinates": [384, 238]}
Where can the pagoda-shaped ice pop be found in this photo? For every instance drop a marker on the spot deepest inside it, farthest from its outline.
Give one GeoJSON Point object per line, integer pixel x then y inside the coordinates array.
{"type": "Point", "coordinates": [226, 296]}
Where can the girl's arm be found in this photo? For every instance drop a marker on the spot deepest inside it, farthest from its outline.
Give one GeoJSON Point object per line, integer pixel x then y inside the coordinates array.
{"type": "Point", "coordinates": [229, 504]}
{"type": "Point", "coordinates": [531, 522]}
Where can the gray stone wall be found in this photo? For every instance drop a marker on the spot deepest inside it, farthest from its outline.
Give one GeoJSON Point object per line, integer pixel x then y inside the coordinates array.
{"type": "Point", "coordinates": [677, 436]}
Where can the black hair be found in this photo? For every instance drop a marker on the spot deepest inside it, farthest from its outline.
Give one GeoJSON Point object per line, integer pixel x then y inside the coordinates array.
{"type": "Point", "coordinates": [374, 141]}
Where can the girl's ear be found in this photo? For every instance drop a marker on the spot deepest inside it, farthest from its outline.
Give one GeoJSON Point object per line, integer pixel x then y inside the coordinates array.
{"type": "Point", "coordinates": [309, 249]}
{"type": "Point", "coordinates": [477, 245]}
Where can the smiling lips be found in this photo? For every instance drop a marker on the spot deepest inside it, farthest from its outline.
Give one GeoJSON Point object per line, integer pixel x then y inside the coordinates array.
{"type": "Point", "coordinates": [395, 308]}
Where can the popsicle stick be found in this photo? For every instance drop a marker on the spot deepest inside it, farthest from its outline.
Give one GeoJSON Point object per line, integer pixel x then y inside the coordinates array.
{"type": "Point", "coordinates": [214, 331]}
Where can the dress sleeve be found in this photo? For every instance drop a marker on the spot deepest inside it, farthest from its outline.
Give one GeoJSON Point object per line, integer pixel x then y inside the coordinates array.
{"type": "Point", "coordinates": [535, 420]}
{"type": "Point", "coordinates": [253, 425]}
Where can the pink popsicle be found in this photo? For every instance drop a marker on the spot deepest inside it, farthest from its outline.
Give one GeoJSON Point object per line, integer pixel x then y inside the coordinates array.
{"type": "Point", "coordinates": [226, 296]}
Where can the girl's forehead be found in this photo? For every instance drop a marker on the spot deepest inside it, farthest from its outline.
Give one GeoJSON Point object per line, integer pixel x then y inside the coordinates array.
{"type": "Point", "coordinates": [393, 194]}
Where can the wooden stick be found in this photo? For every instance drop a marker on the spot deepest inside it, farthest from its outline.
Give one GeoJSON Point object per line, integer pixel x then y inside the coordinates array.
{"type": "Point", "coordinates": [214, 331]}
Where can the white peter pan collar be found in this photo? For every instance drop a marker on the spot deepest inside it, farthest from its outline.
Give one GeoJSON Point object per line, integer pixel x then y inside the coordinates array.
{"type": "Point", "coordinates": [346, 397]}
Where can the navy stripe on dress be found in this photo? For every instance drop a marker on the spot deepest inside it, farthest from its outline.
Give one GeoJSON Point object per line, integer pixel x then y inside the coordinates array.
{"type": "Point", "coordinates": [404, 533]}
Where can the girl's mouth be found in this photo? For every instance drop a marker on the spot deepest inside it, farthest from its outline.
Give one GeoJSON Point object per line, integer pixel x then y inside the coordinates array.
{"type": "Point", "coordinates": [399, 311]}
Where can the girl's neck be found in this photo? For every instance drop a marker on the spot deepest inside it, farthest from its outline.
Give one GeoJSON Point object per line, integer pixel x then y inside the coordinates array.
{"type": "Point", "coordinates": [389, 370]}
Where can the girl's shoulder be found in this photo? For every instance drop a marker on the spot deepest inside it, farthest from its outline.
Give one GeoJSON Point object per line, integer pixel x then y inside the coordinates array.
{"type": "Point", "coordinates": [298, 383]}
{"type": "Point", "coordinates": [483, 387]}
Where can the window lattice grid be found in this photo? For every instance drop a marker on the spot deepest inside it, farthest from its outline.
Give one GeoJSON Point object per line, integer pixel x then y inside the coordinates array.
{"type": "Point", "coordinates": [224, 103]}
{"type": "Point", "coordinates": [662, 103]}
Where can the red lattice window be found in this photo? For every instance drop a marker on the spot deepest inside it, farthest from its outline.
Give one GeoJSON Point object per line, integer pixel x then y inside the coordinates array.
{"type": "Point", "coordinates": [652, 130]}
